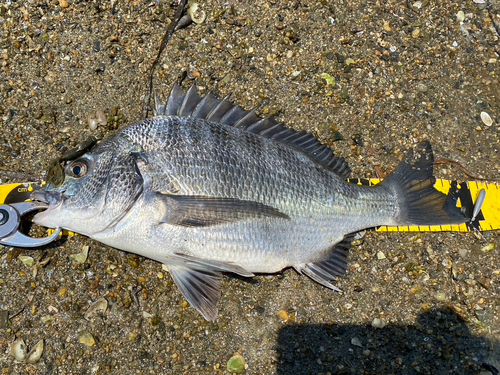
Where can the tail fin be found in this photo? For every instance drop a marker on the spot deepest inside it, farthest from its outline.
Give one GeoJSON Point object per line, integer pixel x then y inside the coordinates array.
{"type": "Point", "coordinates": [421, 204]}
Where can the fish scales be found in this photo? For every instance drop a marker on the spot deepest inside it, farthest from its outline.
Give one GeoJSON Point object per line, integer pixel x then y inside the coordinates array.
{"type": "Point", "coordinates": [228, 191]}
{"type": "Point", "coordinates": [213, 159]}
{"type": "Point", "coordinates": [274, 175]}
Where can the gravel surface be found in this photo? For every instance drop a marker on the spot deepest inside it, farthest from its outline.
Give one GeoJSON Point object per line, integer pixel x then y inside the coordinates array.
{"type": "Point", "coordinates": [382, 75]}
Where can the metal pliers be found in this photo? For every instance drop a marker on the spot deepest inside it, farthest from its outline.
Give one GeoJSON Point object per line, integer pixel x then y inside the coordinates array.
{"type": "Point", "coordinates": [10, 219]}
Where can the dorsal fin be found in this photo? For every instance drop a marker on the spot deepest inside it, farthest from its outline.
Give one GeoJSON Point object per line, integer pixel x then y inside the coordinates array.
{"type": "Point", "coordinates": [191, 104]}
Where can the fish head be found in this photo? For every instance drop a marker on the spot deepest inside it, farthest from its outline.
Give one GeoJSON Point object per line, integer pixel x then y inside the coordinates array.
{"type": "Point", "coordinates": [97, 190]}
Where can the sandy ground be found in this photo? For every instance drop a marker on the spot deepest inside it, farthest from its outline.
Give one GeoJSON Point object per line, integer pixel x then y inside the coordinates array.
{"type": "Point", "coordinates": [404, 72]}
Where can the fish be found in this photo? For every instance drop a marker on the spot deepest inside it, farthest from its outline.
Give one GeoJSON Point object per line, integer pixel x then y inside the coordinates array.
{"type": "Point", "coordinates": [206, 187]}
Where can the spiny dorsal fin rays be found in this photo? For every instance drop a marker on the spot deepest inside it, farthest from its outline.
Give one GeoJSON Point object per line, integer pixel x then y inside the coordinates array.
{"type": "Point", "coordinates": [248, 119]}
{"type": "Point", "coordinates": [220, 110]}
{"type": "Point", "coordinates": [190, 102]}
{"type": "Point", "coordinates": [159, 107]}
{"type": "Point", "coordinates": [232, 116]}
{"type": "Point", "coordinates": [205, 106]}
{"type": "Point", "coordinates": [174, 101]}
{"type": "Point", "coordinates": [223, 111]}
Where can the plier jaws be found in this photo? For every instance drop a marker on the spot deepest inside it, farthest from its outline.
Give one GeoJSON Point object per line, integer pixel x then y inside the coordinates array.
{"type": "Point", "coordinates": [10, 219]}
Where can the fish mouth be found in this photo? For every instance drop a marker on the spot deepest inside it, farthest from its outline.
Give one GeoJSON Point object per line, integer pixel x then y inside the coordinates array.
{"type": "Point", "coordinates": [52, 198]}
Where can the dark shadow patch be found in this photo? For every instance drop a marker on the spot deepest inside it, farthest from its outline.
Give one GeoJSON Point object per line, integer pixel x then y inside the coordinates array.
{"type": "Point", "coordinates": [439, 343]}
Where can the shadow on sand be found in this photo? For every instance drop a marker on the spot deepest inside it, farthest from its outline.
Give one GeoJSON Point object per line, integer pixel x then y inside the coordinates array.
{"type": "Point", "coordinates": [440, 343]}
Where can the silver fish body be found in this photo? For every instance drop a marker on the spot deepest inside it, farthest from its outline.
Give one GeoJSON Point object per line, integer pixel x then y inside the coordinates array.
{"type": "Point", "coordinates": [206, 187]}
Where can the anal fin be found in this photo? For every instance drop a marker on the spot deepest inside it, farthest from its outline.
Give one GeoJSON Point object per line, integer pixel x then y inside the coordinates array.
{"type": "Point", "coordinates": [331, 267]}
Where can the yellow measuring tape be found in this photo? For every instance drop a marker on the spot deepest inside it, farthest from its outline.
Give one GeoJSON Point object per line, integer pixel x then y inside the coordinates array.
{"type": "Point", "coordinates": [13, 193]}
{"type": "Point", "coordinates": [465, 193]}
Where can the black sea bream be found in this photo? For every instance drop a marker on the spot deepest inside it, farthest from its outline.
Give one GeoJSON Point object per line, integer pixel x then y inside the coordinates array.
{"type": "Point", "coordinates": [206, 187]}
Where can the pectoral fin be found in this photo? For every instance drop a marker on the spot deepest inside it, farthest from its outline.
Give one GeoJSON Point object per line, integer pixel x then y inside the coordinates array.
{"type": "Point", "coordinates": [199, 281]}
{"type": "Point", "coordinates": [202, 211]}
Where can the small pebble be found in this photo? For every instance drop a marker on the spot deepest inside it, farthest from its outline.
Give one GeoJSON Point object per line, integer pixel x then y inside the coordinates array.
{"type": "Point", "coordinates": [197, 15]}
{"type": "Point", "coordinates": [349, 61]}
{"type": "Point", "coordinates": [460, 16]}
{"type": "Point", "coordinates": [488, 248]}
{"type": "Point", "coordinates": [485, 117]}
{"type": "Point", "coordinates": [82, 256]}
{"type": "Point", "coordinates": [18, 350]}
{"type": "Point", "coordinates": [92, 123]}
{"type": "Point", "coordinates": [86, 338]}
{"type": "Point", "coordinates": [47, 318]}
{"type": "Point", "coordinates": [422, 88]}
{"type": "Point", "coordinates": [36, 353]}
{"type": "Point", "coordinates": [380, 255]}
{"type": "Point", "coordinates": [283, 315]}
{"type": "Point", "coordinates": [440, 296]}
{"type": "Point", "coordinates": [446, 263]}
{"type": "Point", "coordinates": [416, 289]}
{"type": "Point", "coordinates": [27, 261]}
{"type": "Point", "coordinates": [378, 323]}
{"type": "Point", "coordinates": [50, 77]}
{"type": "Point", "coordinates": [101, 117]}
{"type": "Point", "coordinates": [330, 81]}
{"type": "Point", "coordinates": [356, 342]}
{"type": "Point", "coordinates": [236, 364]}
{"type": "Point", "coordinates": [99, 307]}
{"type": "Point", "coordinates": [417, 4]}
{"type": "Point", "coordinates": [63, 4]}
{"type": "Point", "coordinates": [196, 74]}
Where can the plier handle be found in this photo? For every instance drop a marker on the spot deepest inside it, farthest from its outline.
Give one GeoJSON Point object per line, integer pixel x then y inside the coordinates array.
{"type": "Point", "coordinates": [10, 219]}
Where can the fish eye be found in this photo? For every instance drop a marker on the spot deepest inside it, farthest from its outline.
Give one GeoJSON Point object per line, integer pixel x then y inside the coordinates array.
{"type": "Point", "coordinates": [78, 169]}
